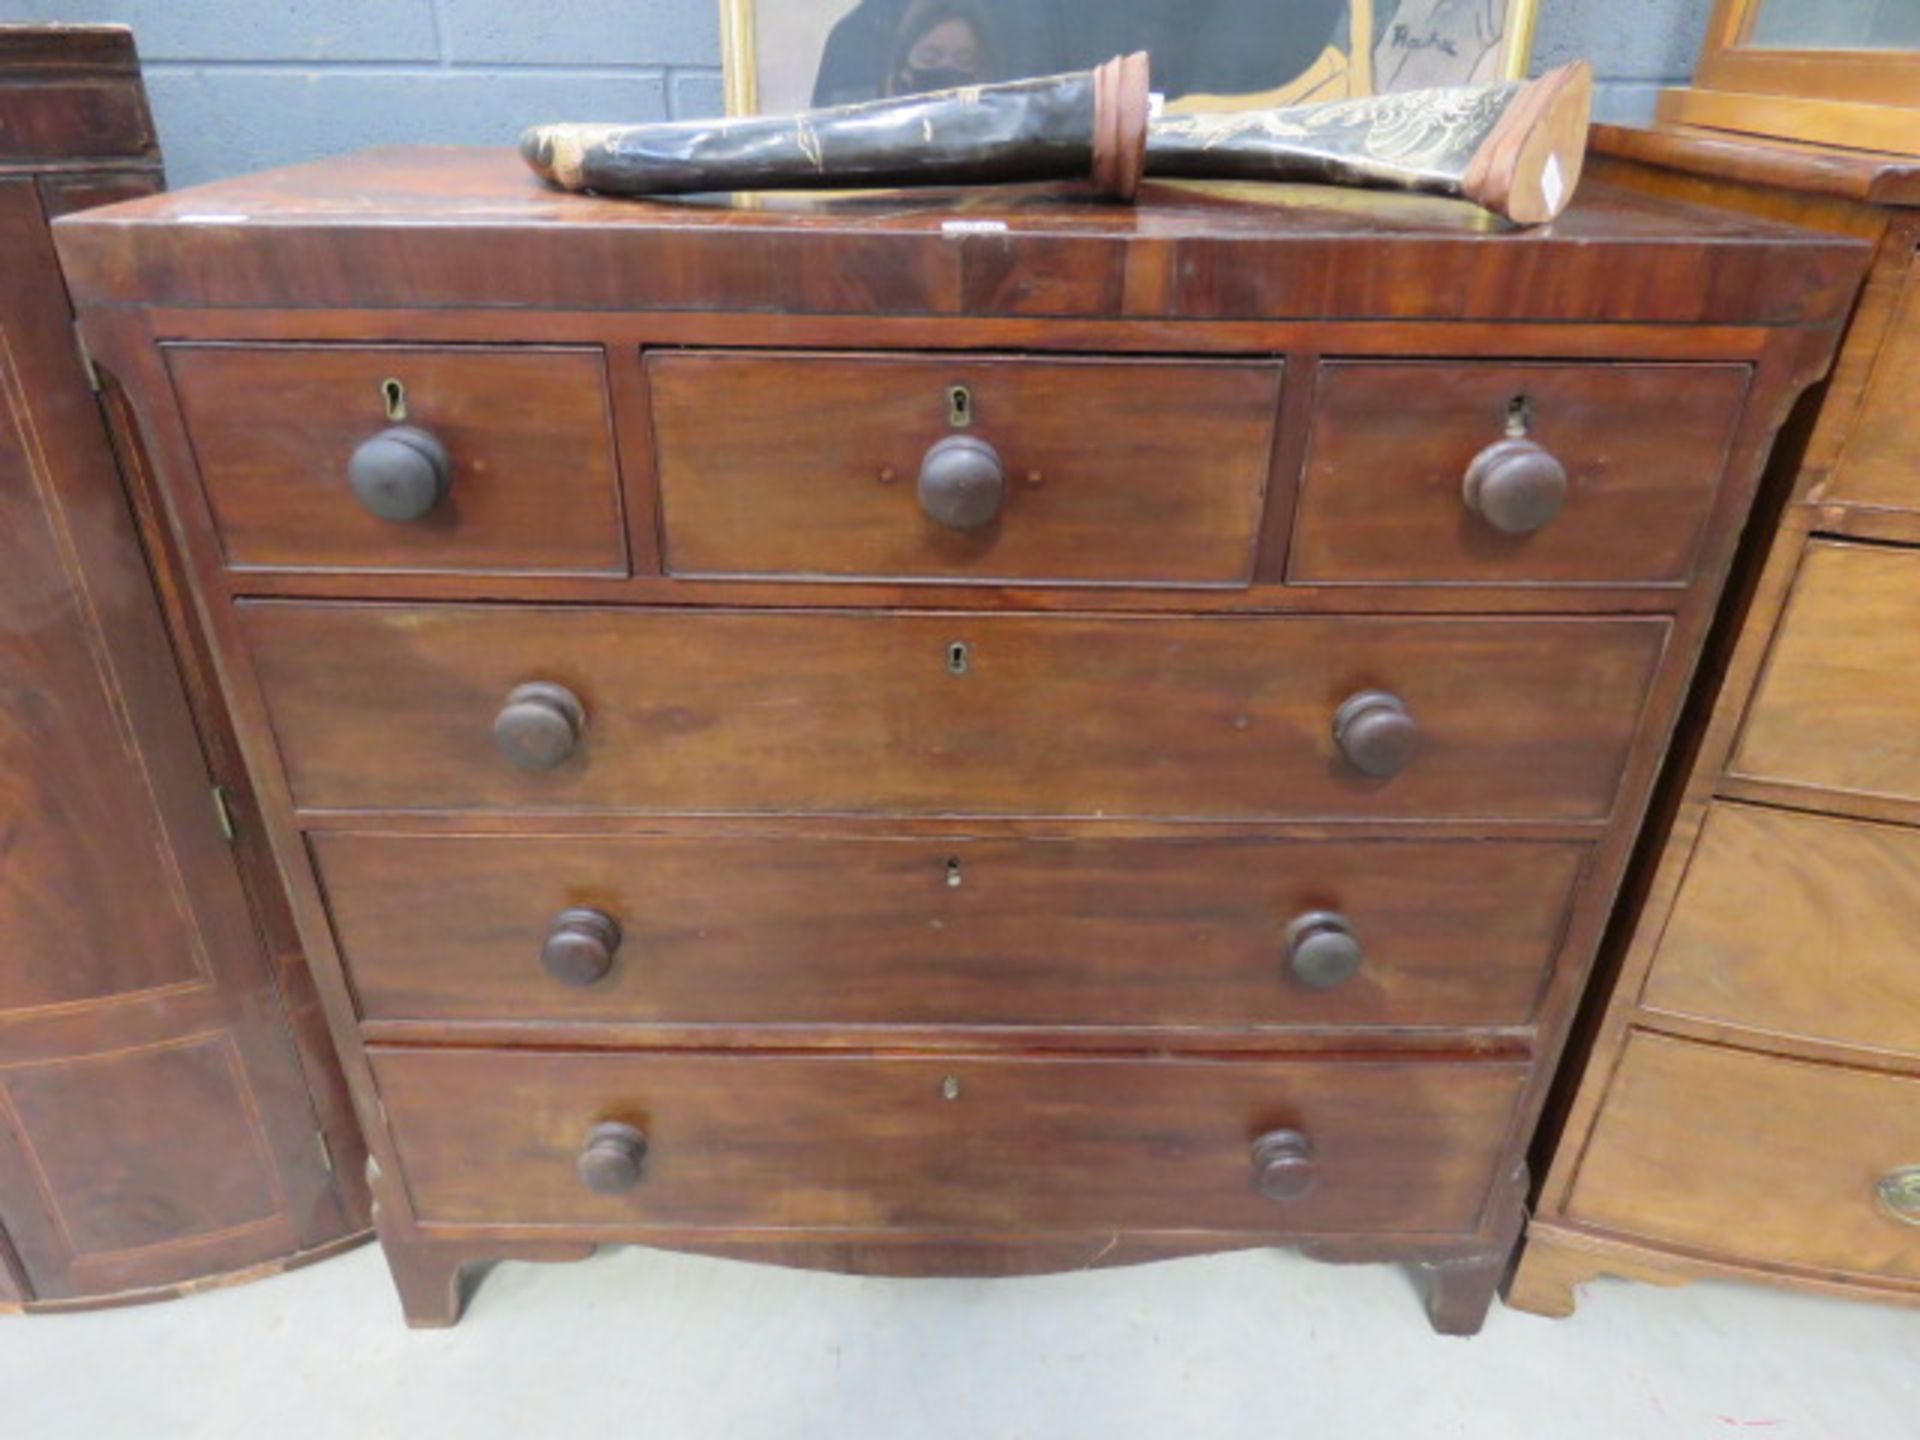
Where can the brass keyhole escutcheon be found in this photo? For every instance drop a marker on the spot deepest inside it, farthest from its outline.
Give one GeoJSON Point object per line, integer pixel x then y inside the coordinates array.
{"type": "Point", "coordinates": [950, 1087]}
{"type": "Point", "coordinates": [959, 658]}
{"type": "Point", "coordinates": [393, 399]}
{"type": "Point", "coordinates": [1519, 415]}
{"type": "Point", "coordinates": [959, 406]}
{"type": "Point", "coordinates": [953, 874]}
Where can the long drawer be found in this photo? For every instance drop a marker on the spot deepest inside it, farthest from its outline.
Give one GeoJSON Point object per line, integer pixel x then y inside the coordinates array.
{"type": "Point", "coordinates": [717, 712]}
{"type": "Point", "coordinates": [1762, 1158]}
{"type": "Point", "coordinates": [1223, 934]}
{"type": "Point", "coordinates": [751, 1141]}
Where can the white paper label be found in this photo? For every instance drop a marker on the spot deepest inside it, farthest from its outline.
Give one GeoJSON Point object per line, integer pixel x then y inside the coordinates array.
{"type": "Point", "coordinates": [1551, 185]}
{"type": "Point", "coordinates": [973, 227]}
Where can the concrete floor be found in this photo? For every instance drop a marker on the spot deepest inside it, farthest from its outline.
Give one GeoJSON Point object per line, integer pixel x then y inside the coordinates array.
{"type": "Point", "coordinates": [1261, 1345]}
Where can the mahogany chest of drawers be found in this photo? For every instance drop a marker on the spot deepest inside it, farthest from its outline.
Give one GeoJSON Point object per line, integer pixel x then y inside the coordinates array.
{"type": "Point", "coordinates": [949, 734]}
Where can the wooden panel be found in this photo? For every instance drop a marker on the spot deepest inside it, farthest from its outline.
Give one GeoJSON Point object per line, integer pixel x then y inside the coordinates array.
{"type": "Point", "coordinates": [972, 931]}
{"type": "Point", "coordinates": [764, 1141]}
{"type": "Point", "coordinates": [379, 706]}
{"type": "Point", "coordinates": [1738, 1154]}
{"type": "Point", "coordinates": [109, 1133]}
{"type": "Point", "coordinates": [1881, 462]}
{"type": "Point", "coordinates": [1801, 925]}
{"type": "Point", "coordinates": [806, 465]}
{"type": "Point", "coordinates": [1643, 447]}
{"type": "Point", "coordinates": [90, 904]}
{"type": "Point", "coordinates": [534, 484]}
{"type": "Point", "coordinates": [1838, 705]}
{"type": "Point", "coordinates": [71, 94]}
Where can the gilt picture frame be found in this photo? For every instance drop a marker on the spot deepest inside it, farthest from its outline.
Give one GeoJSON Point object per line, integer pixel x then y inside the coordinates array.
{"type": "Point", "coordinates": [787, 55]}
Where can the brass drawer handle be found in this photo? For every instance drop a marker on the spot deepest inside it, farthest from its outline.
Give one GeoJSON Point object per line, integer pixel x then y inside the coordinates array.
{"type": "Point", "coordinates": [1899, 1194]}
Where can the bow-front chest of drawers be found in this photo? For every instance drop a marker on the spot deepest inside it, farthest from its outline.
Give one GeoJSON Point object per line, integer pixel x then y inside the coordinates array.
{"type": "Point", "coordinates": [948, 734]}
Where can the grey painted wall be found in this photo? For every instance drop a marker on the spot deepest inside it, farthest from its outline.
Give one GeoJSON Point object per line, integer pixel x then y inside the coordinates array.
{"type": "Point", "coordinates": [242, 84]}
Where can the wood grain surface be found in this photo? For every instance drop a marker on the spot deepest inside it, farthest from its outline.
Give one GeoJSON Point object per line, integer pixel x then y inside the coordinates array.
{"type": "Point", "coordinates": [1117, 470]}
{"type": "Point", "coordinates": [391, 707]}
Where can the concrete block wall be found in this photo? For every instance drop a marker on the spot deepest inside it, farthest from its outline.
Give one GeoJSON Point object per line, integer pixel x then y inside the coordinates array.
{"type": "Point", "coordinates": [239, 85]}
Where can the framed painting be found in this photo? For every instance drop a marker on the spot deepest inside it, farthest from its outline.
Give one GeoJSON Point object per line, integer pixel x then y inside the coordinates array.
{"type": "Point", "coordinates": [789, 55]}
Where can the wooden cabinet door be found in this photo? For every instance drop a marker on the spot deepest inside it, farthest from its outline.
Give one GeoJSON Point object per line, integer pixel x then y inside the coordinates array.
{"type": "Point", "coordinates": [155, 1120]}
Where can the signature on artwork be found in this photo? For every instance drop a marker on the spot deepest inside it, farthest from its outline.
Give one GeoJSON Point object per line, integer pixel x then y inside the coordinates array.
{"type": "Point", "coordinates": [1401, 37]}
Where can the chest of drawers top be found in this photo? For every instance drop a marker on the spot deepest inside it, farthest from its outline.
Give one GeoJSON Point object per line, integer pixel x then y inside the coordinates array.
{"type": "Point", "coordinates": [419, 227]}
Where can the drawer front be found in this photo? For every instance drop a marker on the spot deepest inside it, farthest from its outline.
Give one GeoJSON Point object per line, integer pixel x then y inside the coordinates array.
{"type": "Point", "coordinates": [1880, 465]}
{"type": "Point", "coordinates": [381, 707]}
{"type": "Point", "coordinates": [956, 1143]}
{"type": "Point", "coordinates": [1756, 1158]}
{"type": "Point", "coordinates": [1800, 925]}
{"type": "Point", "coordinates": [809, 465]}
{"type": "Point", "coordinates": [531, 483]}
{"type": "Point", "coordinates": [1838, 703]}
{"type": "Point", "coordinates": [949, 932]}
{"type": "Point", "coordinates": [1641, 447]}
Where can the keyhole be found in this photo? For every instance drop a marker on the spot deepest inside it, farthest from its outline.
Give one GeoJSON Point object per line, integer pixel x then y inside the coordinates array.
{"type": "Point", "coordinates": [1519, 415]}
{"type": "Point", "coordinates": [393, 395]}
{"type": "Point", "coordinates": [959, 407]}
{"type": "Point", "coordinates": [950, 1087]}
{"type": "Point", "coordinates": [953, 874]}
{"type": "Point", "coordinates": [958, 658]}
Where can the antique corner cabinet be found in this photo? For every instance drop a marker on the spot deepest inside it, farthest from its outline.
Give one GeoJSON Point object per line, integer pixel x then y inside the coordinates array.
{"type": "Point", "coordinates": [171, 1112]}
{"type": "Point", "coordinates": [1750, 1101]}
{"type": "Point", "coordinates": [823, 733]}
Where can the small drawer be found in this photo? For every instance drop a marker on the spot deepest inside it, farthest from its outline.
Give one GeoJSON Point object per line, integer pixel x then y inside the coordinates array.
{"type": "Point", "coordinates": [766, 712]}
{"type": "Point", "coordinates": [477, 458]}
{"type": "Point", "coordinates": [1232, 935]}
{"type": "Point", "coordinates": [1604, 475]}
{"type": "Point", "coordinates": [857, 1143]}
{"type": "Point", "coordinates": [1838, 703]}
{"type": "Point", "coordinates": [1880, 464]}
{"type": "Point", "coordinates": [1798, 925]}
{"type": "Point", "coordinates": [931, 467]}
{"type": "Point", "coordinates": [1757, 1158]}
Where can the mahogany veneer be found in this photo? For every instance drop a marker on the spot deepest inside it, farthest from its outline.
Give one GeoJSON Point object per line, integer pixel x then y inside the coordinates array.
{"type": "Point", "coordinates": [171, 1113]}
{"type": "Point", "coordinates": [1058, 764]}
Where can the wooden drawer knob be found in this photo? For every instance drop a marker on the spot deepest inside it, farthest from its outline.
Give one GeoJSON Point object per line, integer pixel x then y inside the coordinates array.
{"type": "Point", "coordinates": [401, 473]}
{"type": "Point", "coordinates": [1376, 733]}
{"type": "Point", "coordinates": [1515, 485]}
{"type": "Point", "coordinates": [1322, 951]}
{"type": "Point", "coordinates": [540, 725]}
{"type": "Point", "coordinates": [962, 482]}
{"type": "Point", "coordinates": [580, 946]}
{"type": "Point", "coordinates": [1283, 1166]}
{"type": "Point", "coordinates": [1899, 1194]}
{"type": "Point", "coordinates": [612, 1160]}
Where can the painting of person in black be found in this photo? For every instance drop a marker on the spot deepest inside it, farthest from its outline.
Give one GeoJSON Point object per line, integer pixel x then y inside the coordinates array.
{"type": "Point", "coordinates": [1215, 47]}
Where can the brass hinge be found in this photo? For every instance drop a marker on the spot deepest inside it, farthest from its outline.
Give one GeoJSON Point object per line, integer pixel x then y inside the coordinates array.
{"type": "Point", "coordinates": [223, 813]}
{"type": "Point", "coordinates": [326, 1150]}
{"type": "Point", "coordinates": [86, 358]}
